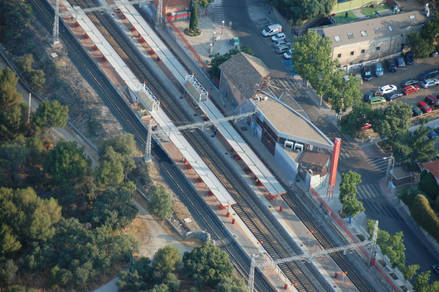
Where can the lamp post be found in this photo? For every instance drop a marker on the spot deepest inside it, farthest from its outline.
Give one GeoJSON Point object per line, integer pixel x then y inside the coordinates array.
{"type": "Point", "coordinates": [390, 165]}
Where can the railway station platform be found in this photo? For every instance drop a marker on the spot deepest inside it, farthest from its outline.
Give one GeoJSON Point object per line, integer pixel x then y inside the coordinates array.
{"type": "Point", "coordinates": [242, 151]}
{"type": "Point", "coordinates": [190, 156]}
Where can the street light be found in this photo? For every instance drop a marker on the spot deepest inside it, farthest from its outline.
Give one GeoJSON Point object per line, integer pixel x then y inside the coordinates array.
{"type": "Point", "coordinates": [391, 162]}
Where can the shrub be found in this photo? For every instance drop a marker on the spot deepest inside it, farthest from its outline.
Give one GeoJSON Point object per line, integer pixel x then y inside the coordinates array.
{"type": "Point", "coordinates": [425, 216]}
{"type": "Point", "coordinates": [428, 185]}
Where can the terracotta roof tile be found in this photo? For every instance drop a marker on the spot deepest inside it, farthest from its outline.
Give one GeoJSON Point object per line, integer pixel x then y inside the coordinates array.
{"type": "Point", "coordinates": [432, 167]}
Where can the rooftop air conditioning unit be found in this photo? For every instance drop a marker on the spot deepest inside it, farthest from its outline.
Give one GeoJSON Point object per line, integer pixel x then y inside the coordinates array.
{"type": "Point", "coordinates": [289, 145]}
{"type": "Point", "coordinates": [298, 147]}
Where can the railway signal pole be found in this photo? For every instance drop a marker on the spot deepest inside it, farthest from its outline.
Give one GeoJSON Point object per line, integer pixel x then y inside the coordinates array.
{"type": "Point", "coordinates": [310, 256]}
{"type": "Point", "coordinates": [56, 25]}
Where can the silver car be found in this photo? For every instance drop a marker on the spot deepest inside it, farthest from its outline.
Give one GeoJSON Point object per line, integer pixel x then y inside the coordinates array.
{"type": "Point", "coordinates": [281, 49]}
{"type": "Point", "coordinates": [429, 83]}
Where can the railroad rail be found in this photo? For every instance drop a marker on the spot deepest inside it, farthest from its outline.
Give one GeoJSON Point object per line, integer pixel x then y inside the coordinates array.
{"type": "Point", "coordinates": [278, 245]}
{"type": "Point", "coordinates": [132, 124]}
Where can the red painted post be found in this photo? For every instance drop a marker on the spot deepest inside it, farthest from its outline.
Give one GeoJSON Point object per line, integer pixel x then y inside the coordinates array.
{"type": "Point", "coordinates": [228, 214]}
{"type": "Point", "coordinates": [233, 220]}
{"type": "Point", "coordinates": [285, 286]}
{"type": "Point", "coordinates": [281, 209]}
{"type": "Point", "coordinates": [336, 275]}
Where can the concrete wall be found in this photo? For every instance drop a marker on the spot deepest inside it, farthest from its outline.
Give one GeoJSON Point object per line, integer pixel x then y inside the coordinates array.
{"type": "Point", "coordinates": [285, 162]}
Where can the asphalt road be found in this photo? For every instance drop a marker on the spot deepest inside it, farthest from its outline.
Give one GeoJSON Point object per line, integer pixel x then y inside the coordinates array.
{"type": "Point", "coordinates": [365, 159]}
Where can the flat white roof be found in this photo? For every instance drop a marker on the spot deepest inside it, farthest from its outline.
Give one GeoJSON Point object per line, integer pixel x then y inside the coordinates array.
{"type": "Point", "coordinates": [212, 182]}
{"type": "Point", "coordinates": [288, 122]}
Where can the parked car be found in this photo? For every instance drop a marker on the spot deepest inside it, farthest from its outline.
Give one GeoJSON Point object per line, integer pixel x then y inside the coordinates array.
{"type": "Point", "coordinates": [379, 70]}
{"type": "Point", "coordinates": [366, 126]}
{"type": "Point", "coordinates": [432, 134]}
{"type": "Point", "coordinates": [393, 95]}
{"type": "Point", "coordinates": [282, 49]}
{"type": "Point", "coordinates": [366, 73]}
{"type": "Point", "coordinates": [429, 74]}
{"type": "Point", "coordinates": [288, 54]}
{"type": "Point", "coordinates": [391, 66]}
{"type": "Point", "coordinates": [416, 111]}
{"type": "Point", "coordinates": [377, 100]}
{"type": "Point", "coordinates": [278, 37]}
{"type": "Point", "coordinates": [409, 89]}
{"type": "Point", "coordinates": [434, 54]}
{"type": "Point", "coordinates": [432, 100]}
{"type": "Point", "coordinates": [435, 268]}
{"type": "Point", "coordinates": [387, 89]}
{"type": "Point", "coordinates": [400, 62]}
{"type": "Point", "coordinates": [424, 107]}
{"type": "Point", "coordinates": [281, 43]}
{"type": "Point", "coordinates": [409, 58]}
{"type": "Point", "coordinates": [271, 30]}
{"type": "Point", "coordinates": [368, 95]}
{"type": "Point", "coordinates": [409, 82]}
{"type": "Point", "coordinates": [427, 83]}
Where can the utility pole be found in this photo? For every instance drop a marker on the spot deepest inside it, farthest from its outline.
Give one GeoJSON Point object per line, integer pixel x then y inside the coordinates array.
{"type": "Point", "coordinates": [56, 25]}
{"type": "Point", "coordinates": [29, 107]}
{"type": "Point", "coordinates": [159, 13]}
{"type": "Point", "coordinates": [373, 248]}
{"type": "Point", "coordinates": [148, 143]}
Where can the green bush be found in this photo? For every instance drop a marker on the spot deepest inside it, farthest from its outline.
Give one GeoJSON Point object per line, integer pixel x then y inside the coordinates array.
{"type": "Point", "coordinates": [428, 185]}
{"type": "Point", "coordinates": [425, 216]}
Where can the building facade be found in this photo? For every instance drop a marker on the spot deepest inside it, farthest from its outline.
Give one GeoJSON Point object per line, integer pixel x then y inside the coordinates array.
{"type": "Point", "coordinates": [371, 39]}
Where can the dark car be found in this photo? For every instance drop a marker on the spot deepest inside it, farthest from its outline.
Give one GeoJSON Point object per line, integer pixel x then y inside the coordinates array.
{"type": "Point", "coordinates": [408, 58]}
{"type": "Point", "coordinates": [416, 111]}
{"type": "Point", "coordinates": [393, 95]}
{"type": "Point", "coordinates": [432, 100]}
{"type": "Point", "coordinates": [391, 66]}
{"type": "Point", "coordinates": [409, 82]}
{"type": "Point", "coordinates": [379, 69]}
{"type": "Point", "coordinates": [400, 62]}
{"type": "Point", "coordinates": [435, 268]}
{"type": "Point", "coordinates": [366, 73]}
{"type": "Point", "coordinates": [429, 74]}
{"type": "Point", "coordinates": [368, 95]}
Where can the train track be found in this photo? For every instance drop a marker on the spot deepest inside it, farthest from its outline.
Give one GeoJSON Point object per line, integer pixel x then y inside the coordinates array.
{"type": "Point", "coordinates": [120, 109]}
{"type": "Point", "coordinates": [252, 215]}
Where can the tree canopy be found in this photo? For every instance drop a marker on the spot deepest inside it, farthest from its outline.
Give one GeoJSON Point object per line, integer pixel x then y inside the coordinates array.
{"type": "Point", "coordinates": [207, 265]}
{"type": "Point", "coordinates": [348, 193]}
{"type": "Point", "coordinates": [410, 148]}
{"type": "Point", "coordinates": [312, 55]}
{"type": "Point", "coordinates": [423, 43]}
{"type": "Point", "coordinates": [160, 203]}
{"type": "Point", "coordinates": [9, 96]}
{"type": "Point", "coordinates": [67, 161]}
{"type": "Point", "coordinates": [393, 121]}
{"type": "Point", "coordinates": [50, 114]}
{"type": "Point", "coordinates": [299, 11]}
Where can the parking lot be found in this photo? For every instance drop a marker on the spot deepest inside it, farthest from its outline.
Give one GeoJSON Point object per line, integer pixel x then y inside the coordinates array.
{"type": "Point", "coordinates": [409, 72]}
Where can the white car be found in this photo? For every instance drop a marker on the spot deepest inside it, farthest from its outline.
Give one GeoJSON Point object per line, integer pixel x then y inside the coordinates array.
{"type": "Point", "coordinates": [387, 89]}
{"type": "Point", "coordinates": [278, 37]}
{"type": "Point", "coordinates": [271, 30]}
{"type": "Point", "coordinates": [288, 54]}
{"type": "Point", "coordinates": [429, 83]}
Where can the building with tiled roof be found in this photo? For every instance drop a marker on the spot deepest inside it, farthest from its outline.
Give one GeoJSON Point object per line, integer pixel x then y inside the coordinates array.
{"type": "Point", "coordinates": [370, 39]}
{"type": "Point", "coordinates": [433, 168]}
{"type": "Point", "coordinates": [241, 76]}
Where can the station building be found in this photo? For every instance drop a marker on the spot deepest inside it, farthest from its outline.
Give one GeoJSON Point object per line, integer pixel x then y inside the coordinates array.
{"type": "Point", "coordinates": [296, 144]}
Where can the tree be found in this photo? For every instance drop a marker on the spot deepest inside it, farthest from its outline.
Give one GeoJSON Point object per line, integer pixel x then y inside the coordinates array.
{"type": "Point", "coordinates": [193, 21]}
{"type": "Point", "coordinates": [14, 17]}
{"type": "Point", "coordinates": [25, 63]}
{"type": "Point", "coordinates": [172, 282]}
{"type": "Point", "coordinates": [9, 95]}
{"type": "Point", "coordinates": [110, 170]}
{"type": "Point", "coordinates": [425, 216]}
{"type": "Point", "coordinates": [428, 185]}
{"type": "Point", "coordinates": [123, 144]}
{"type": "Point", "coordinates": [12, 121]}
{"type": "Point", "coordinates": [421, 47]}
{"type": "Point", "coordinates": [422, 282]}
{"type": "Point", "coordinates": [204, 3]}
{"type": "Point", "coordinates": [410, 148]}
{"type": "Point", "coordinates": [113, 207]}
{"type": "Point", "coordinates": [298, 11]}
{"type": "Point", "coordinates": [231, 284]}
{"type": "Point", "coordinates": [348, 193]}
{"type": "Point", "coordinates": [207, 265]}
{"type": "Point", "coordinates": [160, 203]}
{"type": "Point", "coordinates": [8, 270]}
{"type": "Point", "coordinates": [410, 272]}
{"type": "Point", "coordinates": [312, 59]}
{"type": "Point", "coordinates": [165, 261]}
{"type": "Point", "coordinates": [160, 288]}
{"type": "Point", "coordinates": [351, 123]}
{"type": "Point", "coordinates": [67, 161]}
{"type": "Point", "coordinates": [50, 114]}
{"type": "Point", "coordinates": [393, 121]}
{"type": "Point", "coordinates": [138, 278]}
{"type": "Point", "coordinates": [37, 79]}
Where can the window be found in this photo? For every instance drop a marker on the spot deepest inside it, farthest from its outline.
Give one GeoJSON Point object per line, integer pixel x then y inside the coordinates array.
{"type": "Point", "coordinates": [378, 48]}
{"type": "Point", "coordinates": [412, 17]}
{"type": "Point", "coordinates": [363, 51]}
{"type": "Point", "coordinates": [337, 38]}
{"type": "Point", "coordinates": [363, 33]}
{"type": "Point", "coordinates": [350, 35]}
{"type": "Point", "coordinates": [339, 55]}
{"type": "Point", "coordinates": [390, 28]}
{"type": "Point", "coordinates": [352, 53]}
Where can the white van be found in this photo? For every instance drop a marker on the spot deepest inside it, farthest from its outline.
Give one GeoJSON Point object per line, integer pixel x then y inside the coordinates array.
{"type": "Point", "coordinates": [272, 30]}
